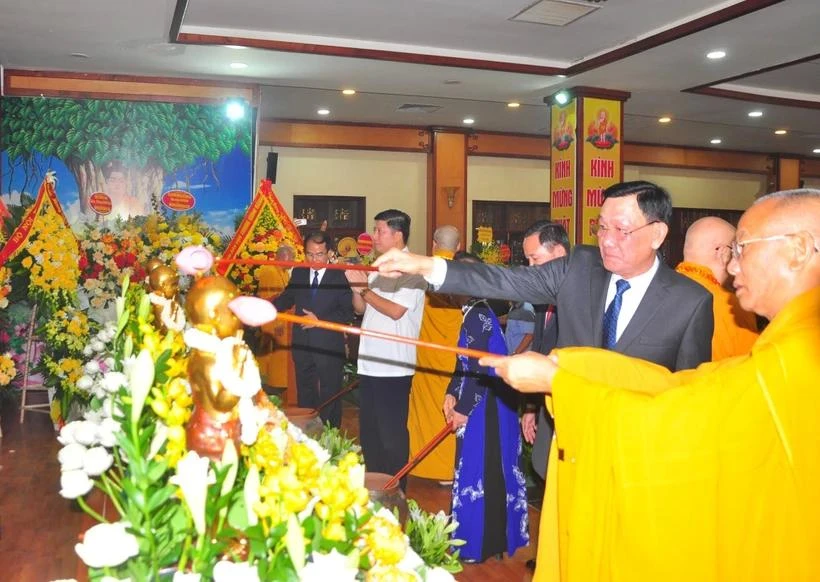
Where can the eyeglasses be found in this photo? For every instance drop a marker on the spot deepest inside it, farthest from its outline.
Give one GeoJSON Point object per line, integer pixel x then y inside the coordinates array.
{"type": "Point", "coordinates": [737, 247]}
{"type": "Point", "coordinates": [600, 230]}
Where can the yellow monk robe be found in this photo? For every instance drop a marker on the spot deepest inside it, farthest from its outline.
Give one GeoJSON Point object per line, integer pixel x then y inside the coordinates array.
{"type": "Point", "coordinates": [441, 324]}
{"type": "Point", "coordinates": [275, 357]}
{"type": "Point", "coordinates": [710, 474]}
{"type": "Point", "coordinates": [735, 328]}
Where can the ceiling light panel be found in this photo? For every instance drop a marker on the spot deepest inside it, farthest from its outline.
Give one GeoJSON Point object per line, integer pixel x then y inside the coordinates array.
{"type": "Point", "coordinates": [555, 12]}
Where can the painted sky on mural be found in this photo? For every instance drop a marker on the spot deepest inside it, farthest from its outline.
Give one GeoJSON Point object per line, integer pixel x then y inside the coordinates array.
{"type": "Point", "coordinates": [222, 190]}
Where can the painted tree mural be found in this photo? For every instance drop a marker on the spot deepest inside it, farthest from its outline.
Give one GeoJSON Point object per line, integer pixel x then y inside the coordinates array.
{"type": "Point", "coordinates": [150, 139]}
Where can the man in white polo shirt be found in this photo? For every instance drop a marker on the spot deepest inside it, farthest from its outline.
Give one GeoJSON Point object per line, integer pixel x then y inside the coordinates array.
{"type": "Point", "coordinates": [386, 368]}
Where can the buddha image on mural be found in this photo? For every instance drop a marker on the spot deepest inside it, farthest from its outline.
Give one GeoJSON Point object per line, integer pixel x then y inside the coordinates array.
{"type": "Point", "coordinates": [601, 132]}
{"type": "Point", "coordinates": [563, 133]}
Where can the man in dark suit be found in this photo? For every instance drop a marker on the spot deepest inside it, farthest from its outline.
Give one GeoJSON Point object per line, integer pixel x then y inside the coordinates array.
{"type": "Point", "coordinates": [318, 354]}
{"type": "Point", "coordinates": [543, 242]}
{"type": "Point", "coordinates": [619, 296]}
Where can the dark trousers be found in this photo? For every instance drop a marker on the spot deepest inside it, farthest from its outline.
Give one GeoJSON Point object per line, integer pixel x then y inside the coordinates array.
{"type": "Point", "coordinates": [383, 407]}
{"type": "Point", "coordinates": [319, 376]}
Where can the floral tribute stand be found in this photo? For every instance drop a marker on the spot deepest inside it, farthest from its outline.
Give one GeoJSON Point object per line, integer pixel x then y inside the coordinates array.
{"type": "Point", "coordinates": [43, 248]}
{"type": "Point", "coordinates": [264, 230]}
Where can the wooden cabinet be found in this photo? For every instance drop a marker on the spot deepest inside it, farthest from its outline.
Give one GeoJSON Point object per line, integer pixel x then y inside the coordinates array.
{"type": "Point", "coordinates": [345, 215]}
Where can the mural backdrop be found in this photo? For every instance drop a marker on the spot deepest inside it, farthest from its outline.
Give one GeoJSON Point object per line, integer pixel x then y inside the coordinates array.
{"type": "Point", "coordinates": [125, 158]}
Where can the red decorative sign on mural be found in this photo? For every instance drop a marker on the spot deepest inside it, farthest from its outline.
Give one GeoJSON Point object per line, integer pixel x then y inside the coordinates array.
{"type": "Point", "coordinates": [100, 202]}
{"type": "Point", "coordinates": [178, 200]}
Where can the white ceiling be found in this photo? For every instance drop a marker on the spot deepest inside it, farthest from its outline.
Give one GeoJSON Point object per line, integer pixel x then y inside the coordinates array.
{"type": "Point", "coordinates": [132, 37]}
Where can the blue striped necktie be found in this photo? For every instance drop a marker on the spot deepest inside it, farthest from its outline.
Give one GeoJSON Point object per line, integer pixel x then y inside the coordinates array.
{"type": "Point", "coordinates": [315, 285]}
{"type": "Point", "coordinates": [611, 314]}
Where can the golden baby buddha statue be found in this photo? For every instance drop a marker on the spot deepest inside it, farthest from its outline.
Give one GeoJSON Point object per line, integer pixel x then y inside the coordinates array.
{"type": "Point", "coordinates": [222, 372]}
{"type": "Point", "coordinates": [163, 285]}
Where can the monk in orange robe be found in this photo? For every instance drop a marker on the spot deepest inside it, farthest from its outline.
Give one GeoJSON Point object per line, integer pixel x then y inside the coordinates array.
{"type": "Point", "coordinates": [706, 255]}
{"type": "Point", "coordinates": [275, 357]}
{"type": "Point", "coordinates": [710, 474]}
{"type": "Point", "coordinates": [441, 323]}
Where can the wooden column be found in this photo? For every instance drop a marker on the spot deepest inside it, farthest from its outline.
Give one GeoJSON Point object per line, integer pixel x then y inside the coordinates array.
{"type": "Point", "coordinates": [446, 183]}
{"type": "Point", "coordinates": [787, 173]}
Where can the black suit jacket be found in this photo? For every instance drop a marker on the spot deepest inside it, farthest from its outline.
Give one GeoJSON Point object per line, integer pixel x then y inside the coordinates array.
{"type": "Point", "coordinates": [333, 302]}
{"type": "Point", "coordinates": [672, 326]}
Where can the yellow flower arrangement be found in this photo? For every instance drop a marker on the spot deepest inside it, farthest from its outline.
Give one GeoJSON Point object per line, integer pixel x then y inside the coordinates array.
{"type": "Point", "coordinates": [268, 235]}
{"type": "Point", "coordinates": [50, 257]}
{"type": "Point", "coordinates": [66, 331]}
{"type": "Point", "coordinates": [7, 369]}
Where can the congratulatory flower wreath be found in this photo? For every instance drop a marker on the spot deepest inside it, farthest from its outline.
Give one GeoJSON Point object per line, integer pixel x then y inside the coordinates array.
{"type": "Point", "coordinates": [276, 508]}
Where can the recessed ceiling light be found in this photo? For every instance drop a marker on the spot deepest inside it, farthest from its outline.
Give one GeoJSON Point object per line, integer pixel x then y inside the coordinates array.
{"type": "Point", "coordinates": [513, 104]}
{"type": "Point", "coordinates": [469, 121]}
{"type": "Point", "coordinates": [239, 66]}
{"type": "Point", "coordinates": [716, 141]}
{"type": "Point", "coordinates": [815, 151]}
{"type": "Point", "coordinates": [562, 76]}
{"type": "Point", "coordinates": [756, 113]}
{"type": "Point", "coordinates": [79, 55]}
{"type": "Point", "coordinates": [714, 55]}
{"type": "Point", "coordinates": [235, 47]}
{"type": "Point", "coordinates": [452, 82]}
{"type": "Point", "coordinates": [348, 91]}
{"type": "Point", "coordinates": [780, 132]}
{"type": "Point", "coordinates": [323, 111]}
{"type": "Point", "coordinates": [664, 120]}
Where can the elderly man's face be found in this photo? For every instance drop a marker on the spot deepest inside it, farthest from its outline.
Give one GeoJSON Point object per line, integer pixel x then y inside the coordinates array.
{"type": "Point", "coordinates": [627, 240]}
{"type": "Point", "coordinates": [761, 272]}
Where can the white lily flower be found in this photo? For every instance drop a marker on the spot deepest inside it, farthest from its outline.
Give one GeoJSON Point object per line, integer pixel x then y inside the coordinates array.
{"type": "Point", "coordinates": [71, 457]}
{"type": "Point", "coordinates": [75, 484]}
{"type": "Point", "coordinates": [85, 382]}
{"type": "Point", "coordinates": [229, 459]}
{"type": "Point", "coordinates": [192, 478]}
{"type": "Point", "coordinates": [225, 571]}
{"type": "Point", "coordinates": [160, 436]}
{"type": "Point", "coordinates": [96, 461]}
{"type": "Point", "coordinates": [107, 545]}
{"type": "Point", "coordinates": [140, 379]}
{"type": "Point", "coordinates": [251, 494]}
{"type": "Point", "coordinates": [295, 543]}
{"type": "Point", "coordinates": [331, 566]}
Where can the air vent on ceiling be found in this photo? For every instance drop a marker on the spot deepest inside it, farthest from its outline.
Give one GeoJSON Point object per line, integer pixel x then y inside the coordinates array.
{"type": "Point", "coordinates": [418, 108]}
{"type": "Point", "coordinates": [557, 12]}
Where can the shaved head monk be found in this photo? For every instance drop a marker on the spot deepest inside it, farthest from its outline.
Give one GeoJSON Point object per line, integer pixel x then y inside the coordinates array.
{"type": "Point", "coordinates": [706, 255]}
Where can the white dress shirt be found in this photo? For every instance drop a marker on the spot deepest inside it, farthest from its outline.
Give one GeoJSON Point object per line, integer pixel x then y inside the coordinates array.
{"type": "Point", "coordinates": [632, 297]}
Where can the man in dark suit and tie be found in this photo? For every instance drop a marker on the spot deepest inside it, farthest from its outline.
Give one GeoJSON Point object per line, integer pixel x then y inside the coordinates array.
{"type": "Point", "coordinates": [543, 242]}
{"type": "Point", "coordinates": [318, 354]}
{"type": "Point", "coordinates": [619, 296]}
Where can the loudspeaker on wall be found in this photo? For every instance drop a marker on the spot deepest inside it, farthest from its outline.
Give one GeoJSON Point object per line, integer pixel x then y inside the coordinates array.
{"type": "Point", "coordinates": [273, 161]}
